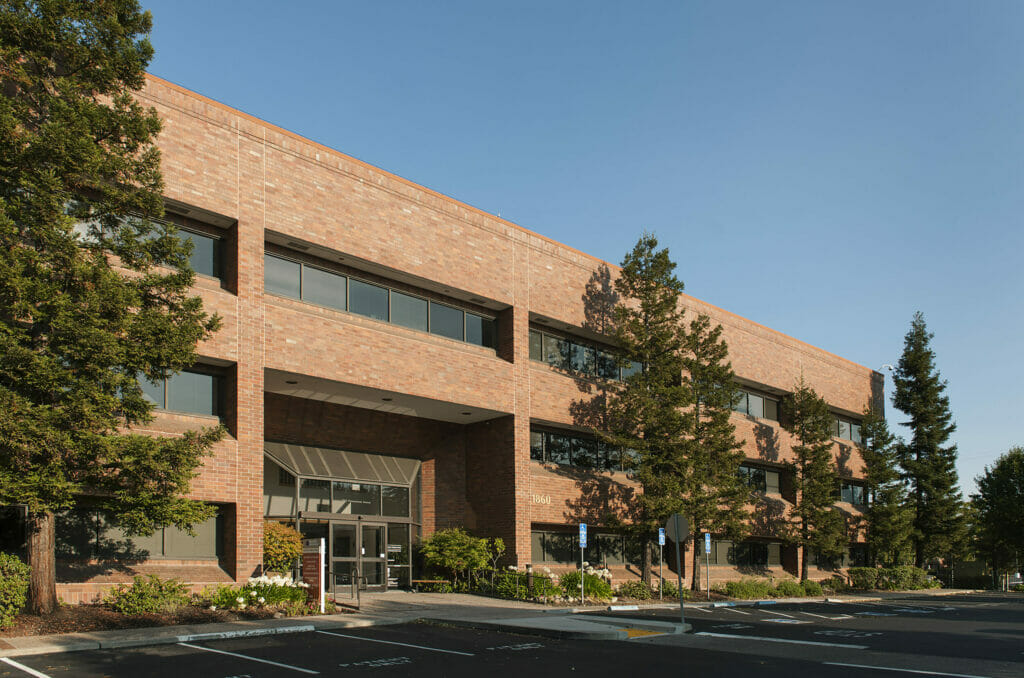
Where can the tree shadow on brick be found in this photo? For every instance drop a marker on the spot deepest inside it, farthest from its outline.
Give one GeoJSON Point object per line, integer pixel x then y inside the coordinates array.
{"type": "Point", "coordinates": [843, 460]}
{"type": "Point", "coordinates": [768, 519]}
{"type": "Point", "coordinates": [766, 438]}
{"type": "Point", "coordinates": [85, 549]}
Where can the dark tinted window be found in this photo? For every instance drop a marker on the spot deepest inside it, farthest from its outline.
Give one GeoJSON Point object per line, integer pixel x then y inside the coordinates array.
{"type": "Point", "coordinates": [396, 501]}
{"type": "Point", "coordinates": [446, 321]}
{"type": "Point", "coordinates": [206, 253]}
{"type": "Point", "coordinates": [408, 311]}
{"type": "Point", "coordinates": [193, 392]}
{"type": "Point", "coordinates": [537, 445]}
{"type": "Point", "coordinates": [480, 331]}
{"type": "Point", "coordinates": [536, 350]}
{"type": "Point", "coordinates": [322, 287]}
{"type": "Point", "coordinates": [582, 359]}
{"type": "Point", "coordinates": [154, 393]}
{"type": "Point", "coordinates": [556, 351]}
{"type": "Point", "coordinates": [369, 300]}
{"type": "Point", "coordinates": [281, 276]}
{"type": "Point", "coordinates": [559, 449]}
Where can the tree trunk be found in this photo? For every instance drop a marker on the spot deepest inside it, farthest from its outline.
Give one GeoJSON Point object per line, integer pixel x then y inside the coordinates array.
{"type": "Point", "coordinates": [645, 562]}
{"type": "Point", "coordinates": [42, 588]}
{"type": "Point", "coordinates": [697, 543]}
{"type": "Point", "coordinates": [803, 563]}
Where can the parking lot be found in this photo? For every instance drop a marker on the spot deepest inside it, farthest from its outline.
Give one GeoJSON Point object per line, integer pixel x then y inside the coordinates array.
{"type": "Point", "coordinates": [971, 637]}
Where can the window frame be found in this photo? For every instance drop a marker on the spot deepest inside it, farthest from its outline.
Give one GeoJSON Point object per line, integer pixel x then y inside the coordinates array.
{"type": "Point", "coordinates": [219, 396]}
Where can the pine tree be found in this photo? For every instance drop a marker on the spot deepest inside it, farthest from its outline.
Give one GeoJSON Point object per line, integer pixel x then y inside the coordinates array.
{"type": "Point", "coordinates": [888, 517]}
{"type": "Point", "coordinates": [928, 463]}
{"type": "Point", "coordinates": [714, 497]}
{"type": "Point", "coordinates": [1000, 511]}
{"type": "Point", "coordinates": [815, 524]}
{"type": "Point", "coordinates": [93, 295]}
{"type": "Point", "coordinates": [645, 411]}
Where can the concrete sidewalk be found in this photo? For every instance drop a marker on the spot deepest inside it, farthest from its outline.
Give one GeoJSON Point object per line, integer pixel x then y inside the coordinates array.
{"type": "Point", "coordinates": [399, 607]}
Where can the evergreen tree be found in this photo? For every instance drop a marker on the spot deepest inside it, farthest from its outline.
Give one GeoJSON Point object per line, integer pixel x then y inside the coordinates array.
{"type": "Point", "coordinates": [888, 518]}
{"type": "Point", "coordinates": [645, 411]}
{"type": "Point", "coordinates": [815, 524]}
{"type": "Point", "coordinates": [1000, 511]}
{"type": "Point", "coordinates": [928, 462]}
{"type": "Point", "coordinates": [93, 294]}
{"type": "Point", "coordinates": [714, 496]}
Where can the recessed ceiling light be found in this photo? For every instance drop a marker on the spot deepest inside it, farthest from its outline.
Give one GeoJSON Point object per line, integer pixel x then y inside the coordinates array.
{"type": "Point", "coordinates": [387, 400]}
{"type": "Point", "coordinates": [289, 381]}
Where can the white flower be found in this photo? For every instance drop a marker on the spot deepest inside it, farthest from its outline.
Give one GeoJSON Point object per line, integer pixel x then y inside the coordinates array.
{"type": "Point", "coordinates": [240, 600]}
{"type": "Point", "coordinates": [252, 593]}
{"type": "Point", "coordinates": [213, 607]}
{"type": "Point", "coordinates": [513, 568]}
{"type": "Point", "coordinates": [262, 600]}
{"type": "Point", "coordinates": [242, 606]}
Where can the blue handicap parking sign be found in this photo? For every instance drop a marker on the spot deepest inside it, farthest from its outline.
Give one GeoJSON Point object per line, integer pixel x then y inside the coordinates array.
{"type": "Point", "coordinates": [707, 542]}
{"type": "Point", "coordinates": [583, 535]}
{"type": "Point", "coordinates": [661, 536]}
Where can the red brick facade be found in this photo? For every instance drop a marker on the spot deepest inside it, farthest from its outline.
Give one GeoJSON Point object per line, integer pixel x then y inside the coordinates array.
{"type": "Point", "coordinates": [276, 186]}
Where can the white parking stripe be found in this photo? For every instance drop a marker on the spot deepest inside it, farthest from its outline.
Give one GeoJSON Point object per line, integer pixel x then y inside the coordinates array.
{"type": "Point", "coordinates": [780, 640]}
{"type": "Point", "coordinates": [822, 616]}
{"type": "Point", "coordinates": [31, 672]}
{"type": "Point", "coordinates": [391, 642]}
{"type": "Point", "coordinates": [252, 659]}
{"type": "Point", "coordinates": [890, 668]}
{"type": "Point", "coordinates": [779, 614]}
{"type": "Point", "coordinates": [730, 609]}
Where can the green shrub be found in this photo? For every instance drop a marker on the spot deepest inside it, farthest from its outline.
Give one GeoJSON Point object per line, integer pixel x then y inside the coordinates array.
{"type": "Point", "coordinates": [635, 589]}
{"type": "Point", "coordinates": [810, 587]}
{"type": "Point", "coordinates": [455, 551]}
{"type": "Point", "coordinates": [593, 586]}
{"type": "Point", "coordinates": [905, 578]}
{"type": "Point", "coordinates": [13, 587]}
{"type": "Point", "coordinates": [669, 588]}
{"type": "Point", "coordinates": [863, 578]}
{"type": "Point", "coordinates": [748, 589]}
{"type": "Point", "coordinates": [1018, 588]}
{"type": "Point", "coordinates": [147, 594]}
{"type": "Point", "coordinates": [835, 584]}
{"type": "Point", "coordinates": [787, 588]}
{"type": "Point", "coordinates": [282, 546]}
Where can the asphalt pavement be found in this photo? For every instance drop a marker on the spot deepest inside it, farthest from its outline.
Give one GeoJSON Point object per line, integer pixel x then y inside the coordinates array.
{"type": "Point", "coordinates": [967, 636]}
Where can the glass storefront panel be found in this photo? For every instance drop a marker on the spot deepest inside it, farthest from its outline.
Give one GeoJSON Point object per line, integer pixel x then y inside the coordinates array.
{"type": "Point", "coordinates": [357, 499]}
{"type": "Point", "coordinates": [344, 540]}
{"type": "Point", "coordinates": [315, 495]}
{"type": "Point", "coordinates": [395, 501]}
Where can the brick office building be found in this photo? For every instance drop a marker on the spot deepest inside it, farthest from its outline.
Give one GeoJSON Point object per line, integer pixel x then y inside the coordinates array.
{"type": "Point", "coordinates": [385, 369]}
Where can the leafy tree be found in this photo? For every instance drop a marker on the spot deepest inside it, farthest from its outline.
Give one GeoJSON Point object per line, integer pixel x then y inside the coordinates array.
{"type": "Point", "coordinates": [928, 462]}
{"type": "Point", "coordinates": [645, 411]}
{"type": "Point", "coordinates": [815, 524]}
{"type": "Point", "coordinates": [456, 550]}
{"type": "Point", "coordinates": [94, 295]}
{"type": "Point", "coordinates": [888, 518]}
{"type": "Point", "coordinates": [1000, 510]}
{"type": "Point", "coordinates": [714, 496]}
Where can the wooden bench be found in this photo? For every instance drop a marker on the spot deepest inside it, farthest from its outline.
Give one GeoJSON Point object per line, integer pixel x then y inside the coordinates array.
{"type": "Point", "coordinates": [416, 583]}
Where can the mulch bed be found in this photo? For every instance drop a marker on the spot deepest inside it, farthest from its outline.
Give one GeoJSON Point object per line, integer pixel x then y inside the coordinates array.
{"type": "Point", "coordinates": [83, 618]}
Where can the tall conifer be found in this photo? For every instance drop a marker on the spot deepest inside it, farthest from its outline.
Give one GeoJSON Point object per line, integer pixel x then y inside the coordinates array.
{"type": "Point", "coordinates": [94, 296]}
{"type": "Point", "coordinates": [645, 412]}
{"type": "Point", "coordinates": [927, 460]}
{"type": "Point", "coordinates": [887, 517]}
{"type": "Point", "coordinates": [815, 524]}
{"type": "Point", "coordinates": [715, 497]}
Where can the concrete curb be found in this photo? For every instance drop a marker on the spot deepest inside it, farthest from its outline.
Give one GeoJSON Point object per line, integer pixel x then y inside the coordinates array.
{"type": "Point", "coordinates": [169, 635]}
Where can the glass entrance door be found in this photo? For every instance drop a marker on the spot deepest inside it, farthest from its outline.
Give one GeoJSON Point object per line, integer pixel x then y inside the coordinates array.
{"type": "Point", "coordinates": [374, 555]}
{"type": "Point", "coordinates": [344, 552]}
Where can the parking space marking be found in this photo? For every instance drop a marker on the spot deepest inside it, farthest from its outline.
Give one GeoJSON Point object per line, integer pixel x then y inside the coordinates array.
{"type": "Point", "coordinates": [379, 663]}
{"type": "Point", "coordinates": [780, 640]}
{"type": "Point", "coordinates": [781, 614]}
{"type": "Point", "coordinates": [891, 668]}
{"type": "Point", "coordinates": [729, 609]}
{"type": "Point", "coordinates": [252, 659]}
{"type": "Point", "coordinates": [22, 667]}
{"type": "Point", "coordinates": [848, 633]}
{"type": "Point", "coordinates": [520, 646]}
{"type": "Point", "coordinates": [823, 616]}
{"type": "Point", "coordinates": [734, 627]}
{"type": "Point", "coordinates": [392, 642]}
{"type": "Point", "coordinates": [787, 621]}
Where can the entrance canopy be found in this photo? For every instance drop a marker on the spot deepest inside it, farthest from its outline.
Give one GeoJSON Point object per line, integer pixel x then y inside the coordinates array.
{"type": "Point", "coordinates": [320, 462]}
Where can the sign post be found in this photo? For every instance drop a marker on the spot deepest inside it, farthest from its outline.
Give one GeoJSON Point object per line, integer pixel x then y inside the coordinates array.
{"type": "Point", "coordinates": [313, 551]}
{"type": "Point", "coordinates": [583, 546]}
{"type": "Point", "coordinates": [707, 562]}
{"type": "Point", "coordinates": [678, 529]}
{"type": "Point", "coordinates": [661, 563]}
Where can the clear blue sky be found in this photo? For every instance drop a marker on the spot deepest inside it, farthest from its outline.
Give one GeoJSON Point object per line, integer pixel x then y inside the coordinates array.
{"type": "Point", "coordinates": [825, 169]}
